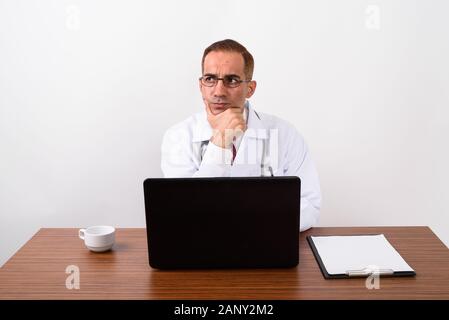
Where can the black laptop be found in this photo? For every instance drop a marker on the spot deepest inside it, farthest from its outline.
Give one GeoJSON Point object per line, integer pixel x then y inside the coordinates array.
{"type": "Point", "coordinates": [250, 222]}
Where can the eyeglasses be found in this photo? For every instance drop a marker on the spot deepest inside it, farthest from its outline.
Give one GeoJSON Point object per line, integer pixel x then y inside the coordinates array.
{"type": "Point", "coordinates": [228, 81]}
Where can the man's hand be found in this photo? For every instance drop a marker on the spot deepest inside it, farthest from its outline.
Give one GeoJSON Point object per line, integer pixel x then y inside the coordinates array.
{"type": "Point", "coordinates": [226, 125]}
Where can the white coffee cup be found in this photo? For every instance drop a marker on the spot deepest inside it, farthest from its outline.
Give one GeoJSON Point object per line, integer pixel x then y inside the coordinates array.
{"type": "Point", "coordinates": [98, 238]}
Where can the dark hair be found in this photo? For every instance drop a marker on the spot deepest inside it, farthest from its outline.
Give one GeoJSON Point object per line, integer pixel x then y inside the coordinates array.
{"type": "Point", "coordinates": [232, 46]}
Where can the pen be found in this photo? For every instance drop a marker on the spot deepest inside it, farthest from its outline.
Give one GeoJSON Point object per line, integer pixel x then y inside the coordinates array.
{"type": "Point", "coordinates": [367, 272]}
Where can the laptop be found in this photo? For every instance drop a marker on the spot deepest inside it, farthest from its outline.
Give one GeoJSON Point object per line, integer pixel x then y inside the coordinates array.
{"type": "Point", "coordinates": [247, 222]}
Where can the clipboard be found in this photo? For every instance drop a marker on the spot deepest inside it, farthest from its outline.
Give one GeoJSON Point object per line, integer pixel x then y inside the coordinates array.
{"type": "Point", "coordinates": [398, 267]}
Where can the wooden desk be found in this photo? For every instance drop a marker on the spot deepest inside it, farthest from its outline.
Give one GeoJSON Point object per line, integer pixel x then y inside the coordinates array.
{"type": "Point", "coordinates": [37, 271]}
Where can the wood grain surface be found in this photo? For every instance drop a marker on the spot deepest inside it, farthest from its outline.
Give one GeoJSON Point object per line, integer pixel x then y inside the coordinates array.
{"type": "Point", "coordinates": [37, 271]}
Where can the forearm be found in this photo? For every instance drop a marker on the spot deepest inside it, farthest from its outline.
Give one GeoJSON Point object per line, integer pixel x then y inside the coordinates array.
{"type": "Point", "coordinates": [178, 161]}
{"type": "Point", "coordinates": [302, 166]}
{"type": "Point", "coordinates": [309, 215]}
{"type": "Point", "coordinates": [216, 162]}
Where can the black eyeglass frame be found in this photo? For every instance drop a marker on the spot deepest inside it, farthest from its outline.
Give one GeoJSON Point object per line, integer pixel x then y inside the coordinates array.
{"type": "Point", "coordinates": [225, 80]}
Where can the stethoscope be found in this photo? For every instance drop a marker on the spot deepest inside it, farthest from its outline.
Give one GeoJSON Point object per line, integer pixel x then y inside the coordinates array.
{"type": "Point", "coordinates": [263, 165]}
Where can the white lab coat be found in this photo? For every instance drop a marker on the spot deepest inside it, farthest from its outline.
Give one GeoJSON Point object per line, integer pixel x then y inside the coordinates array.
{"type": "Point", "coordinates": [268, 145]}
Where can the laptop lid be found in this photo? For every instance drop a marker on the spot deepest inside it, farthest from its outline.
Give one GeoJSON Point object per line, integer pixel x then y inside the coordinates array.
{"type": "Point", "coordinates": [248, 222]}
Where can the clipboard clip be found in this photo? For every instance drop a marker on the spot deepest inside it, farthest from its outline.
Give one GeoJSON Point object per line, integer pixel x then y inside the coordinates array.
{"type": "Point", "coordinates": [365, 272]}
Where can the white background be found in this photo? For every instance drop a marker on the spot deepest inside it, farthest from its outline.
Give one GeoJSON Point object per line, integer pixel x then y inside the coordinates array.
{"type": "Point", "coordinates": [87, 89]}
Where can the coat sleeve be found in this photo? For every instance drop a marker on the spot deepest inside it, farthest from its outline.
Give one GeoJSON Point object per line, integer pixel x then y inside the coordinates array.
{"type": "Point", "coordinates": [299, 163]}
{"type": "Point", "coordinates": [180, 158]}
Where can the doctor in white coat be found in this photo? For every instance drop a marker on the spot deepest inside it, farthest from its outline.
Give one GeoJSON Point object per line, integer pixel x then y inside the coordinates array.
{"type": "Point", "coordinates": [230, 139]}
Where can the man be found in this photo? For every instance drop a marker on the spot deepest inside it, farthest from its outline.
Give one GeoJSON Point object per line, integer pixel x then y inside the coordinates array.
{"type": "Point", "coordinates": [229, 138]}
